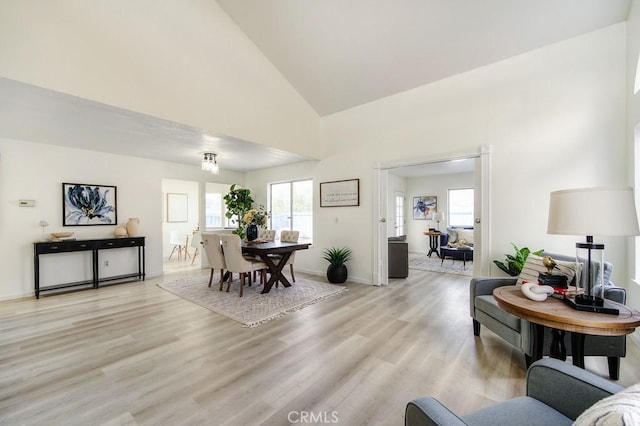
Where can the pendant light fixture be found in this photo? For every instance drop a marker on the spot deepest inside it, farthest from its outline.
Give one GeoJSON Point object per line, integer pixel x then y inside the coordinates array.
{"type": "Point", "coordinates": [210, 163]}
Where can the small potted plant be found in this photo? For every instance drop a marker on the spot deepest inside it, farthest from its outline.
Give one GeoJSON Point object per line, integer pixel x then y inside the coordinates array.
{"type": "Point", "coordinates": [513, 264]}
{"type": "Point", "coordinates": [337, 257]}
{"type": "Point", "coordinates": [253, 219]}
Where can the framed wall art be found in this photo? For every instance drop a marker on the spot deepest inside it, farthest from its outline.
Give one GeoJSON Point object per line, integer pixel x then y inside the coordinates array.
{"type": "Point", "coordinates": [340, 193]}
{"type": "Point", "coordinates": [424, 206]}
{"type": "Point", "coordinates": [177, 207]}
{"type": "Point", "coordinates": [88, 205]}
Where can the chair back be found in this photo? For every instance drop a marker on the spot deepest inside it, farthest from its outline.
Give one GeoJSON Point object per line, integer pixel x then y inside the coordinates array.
{"type": "Point", "coordinates": [267, 234]}
{"type": "Point", "coordinates": [233, 254]}
{"type": "Point", "coordinates": [174, 239]}
{"type": "Point", "coordinates": [289, 236]}
{"type": "Point", "coordinates": [196, 240]}
{"type": "Point", "coordinates": [213, 250]}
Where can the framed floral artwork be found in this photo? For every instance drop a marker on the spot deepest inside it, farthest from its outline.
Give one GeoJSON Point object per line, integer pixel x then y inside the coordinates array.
{"type": "Point", "coordinates": [88, 205]}
{"type": "Point", "coordinates": [424, 206]}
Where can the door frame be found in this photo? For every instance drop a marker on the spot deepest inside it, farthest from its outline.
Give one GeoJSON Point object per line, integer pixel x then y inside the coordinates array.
{"type": "Point", "coordinates": [482, 219]}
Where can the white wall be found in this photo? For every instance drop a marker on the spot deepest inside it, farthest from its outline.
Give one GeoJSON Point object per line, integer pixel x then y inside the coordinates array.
{"type": "Point", "coordinates": [553, 120]}
{"type": "Point", "coordinates": [633, 129]}
{"type": "Point", "coordinates": [396, 184]}
{"type": "Point", "coordinates": [36, 171]}
{"type": "Point", "coordinates": [431, 185]}
{"type": "Point", "coordinates": [183, 61]}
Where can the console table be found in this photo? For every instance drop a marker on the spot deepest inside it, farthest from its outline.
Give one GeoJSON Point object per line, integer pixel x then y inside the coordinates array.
{"type": "Point", "coordinates": [94, 246]}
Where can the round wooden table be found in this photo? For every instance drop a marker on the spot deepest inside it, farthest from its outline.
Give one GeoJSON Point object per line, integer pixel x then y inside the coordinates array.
{"type": "Point", "coordinates": [556, 314]}
{"type": "Point", "coordinates": [434, 242]}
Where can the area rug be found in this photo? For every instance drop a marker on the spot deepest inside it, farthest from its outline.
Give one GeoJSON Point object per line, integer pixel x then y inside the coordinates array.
{"type": "Point", "coordinates": [253, 308]}
{"type": "Point", "coordinates": [433, 264]}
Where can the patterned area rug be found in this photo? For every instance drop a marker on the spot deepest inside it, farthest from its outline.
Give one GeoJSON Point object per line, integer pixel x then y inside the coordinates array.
{"type": "Point", "coordinates": [253, 308]}
{"type": "Point", "coordinates": [433, 264]}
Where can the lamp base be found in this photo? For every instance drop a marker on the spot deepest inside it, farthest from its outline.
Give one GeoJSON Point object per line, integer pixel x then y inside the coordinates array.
{"type": "Point", "coordinates": [583, 302]}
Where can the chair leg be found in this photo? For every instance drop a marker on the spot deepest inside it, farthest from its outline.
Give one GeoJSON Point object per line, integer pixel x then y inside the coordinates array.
{"type": "Point", "coordinates": [293, 278]}
{"type": "Point", "coordinates": [476, 328]}
{"type": "Point", "coordinates": [211, 277]}
{"type": "Point", "coordinates": [173, 250]}
{"type": "Point", "coordinates": [221, 278]}
{"type": "Point", "coordinates": [229, 283]}
{"type": "Point", "coordinates": [242, 275]}
{"type": "Point", "coordinates": [195, 254]}
{"type": "Point", "coordinates": [614, 367]}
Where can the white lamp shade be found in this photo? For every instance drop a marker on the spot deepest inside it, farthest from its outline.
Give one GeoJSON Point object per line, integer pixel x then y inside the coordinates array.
{"type": "Point", "coordinates": [593, 211]}
{"type": "Point", "coordinates": [439, 217]}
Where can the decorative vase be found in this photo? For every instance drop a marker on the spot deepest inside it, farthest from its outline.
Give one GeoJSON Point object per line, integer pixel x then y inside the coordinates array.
{"type": "Point", "coordinates": [337, 274]}
{"type": "Point", "coordinates": [252, 232]}
{"type": "Point", "coordinates": [120, 232]}
{"type": "Point", "coordinates": [132, 226]}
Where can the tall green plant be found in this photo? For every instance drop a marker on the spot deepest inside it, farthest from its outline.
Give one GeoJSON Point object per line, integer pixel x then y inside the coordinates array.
{"type": "Point", "coordinates": [238, 200]}
{"type": "Point", "coordinates": [514, 263]}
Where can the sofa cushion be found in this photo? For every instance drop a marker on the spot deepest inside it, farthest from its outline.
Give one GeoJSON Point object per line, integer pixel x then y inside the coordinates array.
{"type": "Point", "coordinates": [523, 410]}
{"type": "Point", "coordinates": [465, 236]}
{"type": "Point", "coordinates": [533, 267]}
{"type": "Point", "coordinates": [622, 408]}
{"type": "Point", "coordinates": [488, 305]}
{"type": "Point", "coordinates": [453, 235]}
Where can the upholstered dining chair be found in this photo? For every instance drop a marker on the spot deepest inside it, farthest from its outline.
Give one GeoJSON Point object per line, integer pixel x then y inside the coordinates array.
{"type": "Point", "coordinates": [213, 250]}
{"type": "Point", "coordinates": [267, 234]}
{"type": "Point", "coordinates": [236, 262]}
{"type": "Point", "coordinates": [290, 237]}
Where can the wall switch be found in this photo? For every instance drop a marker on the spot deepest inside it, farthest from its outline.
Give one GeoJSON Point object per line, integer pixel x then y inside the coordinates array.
{"type": "Point", "coordinates": [27, 203]}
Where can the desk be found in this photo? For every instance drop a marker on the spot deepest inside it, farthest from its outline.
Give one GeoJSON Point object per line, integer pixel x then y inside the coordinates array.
{"type": "Point", "coordinates": [265, 252]}
{"type": "Point", "coordinates": [94, 246]}
{"type": "Point", "coordinates": [434, 242]}
{"type": "Point", "coordinates": [556, 314]}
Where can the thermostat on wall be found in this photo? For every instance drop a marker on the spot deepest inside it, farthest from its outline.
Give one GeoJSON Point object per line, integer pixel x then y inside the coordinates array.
{"type": "Point", "coordinates": [27, 203]}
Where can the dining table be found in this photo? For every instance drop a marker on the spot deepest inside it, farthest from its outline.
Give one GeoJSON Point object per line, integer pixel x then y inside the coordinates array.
{"type": "Point", "coordinates": [275, 255]}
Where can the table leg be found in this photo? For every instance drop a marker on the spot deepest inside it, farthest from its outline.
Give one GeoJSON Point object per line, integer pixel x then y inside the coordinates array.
{"type": "Point", "coordinates": [558, 350]}
{"type": "Point", "coordinates": [577, 349]}
{"type": "Point", "coordinates": [538, 341]}
{"type": "Point", "coordinates": [276, 271]}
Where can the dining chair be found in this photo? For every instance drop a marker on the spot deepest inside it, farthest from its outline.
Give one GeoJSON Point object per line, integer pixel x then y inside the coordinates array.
{"type": "Point", "coordinates": [196, 242]}
{"type": "Point", "coordinates": [236, 262]}
{"type": "Point", "coordinates": [267, 234]}
{"type": "Point", "coordinates": [177, 243]}
{"type": "Point", "coordinates": [290, 237]}
{"type": "Point", "coordinates": [213, 250]}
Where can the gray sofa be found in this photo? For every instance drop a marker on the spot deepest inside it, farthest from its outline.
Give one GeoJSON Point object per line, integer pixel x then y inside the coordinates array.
{"type": "Point", "coordinates": [519, 333]}
{"type": "Point", "coordinates": [557, 393]}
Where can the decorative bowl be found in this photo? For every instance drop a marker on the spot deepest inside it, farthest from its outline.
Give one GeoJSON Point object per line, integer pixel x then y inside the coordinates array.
{"type": "Point", "coordinates": [61, 234]}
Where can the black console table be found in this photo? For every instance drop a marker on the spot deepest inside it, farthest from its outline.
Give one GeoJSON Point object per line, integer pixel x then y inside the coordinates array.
{"type": "Point", "coordinates": [95, 246]}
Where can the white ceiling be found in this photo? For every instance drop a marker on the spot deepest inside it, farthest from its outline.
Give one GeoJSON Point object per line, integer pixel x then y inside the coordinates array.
{"type": "Point", "coordinates": [337, 54]}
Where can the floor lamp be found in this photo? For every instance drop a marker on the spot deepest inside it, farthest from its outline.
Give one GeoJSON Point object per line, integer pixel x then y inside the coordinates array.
{"type": "Point", "coordinates": [592, 211]}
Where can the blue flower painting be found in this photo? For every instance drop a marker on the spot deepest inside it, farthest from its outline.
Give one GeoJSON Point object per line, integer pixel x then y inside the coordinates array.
{"type": "Point", "coordinates": [89, 204]}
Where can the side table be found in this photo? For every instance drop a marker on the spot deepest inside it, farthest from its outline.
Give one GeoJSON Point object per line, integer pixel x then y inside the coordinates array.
{"type": "Point", "coordinates": [434, 242]}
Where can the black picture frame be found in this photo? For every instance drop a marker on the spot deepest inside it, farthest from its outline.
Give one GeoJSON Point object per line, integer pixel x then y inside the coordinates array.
{"type": "Point", "coordinates": [89, 205]}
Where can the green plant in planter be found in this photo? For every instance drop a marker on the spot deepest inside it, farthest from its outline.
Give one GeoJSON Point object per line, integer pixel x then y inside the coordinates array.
{"type": "Point", "coordinates": [337, 257]}
{"type": "Point", "coordinates": [238, 200]}
{"type": "Point", "coordinates": [514, 263]}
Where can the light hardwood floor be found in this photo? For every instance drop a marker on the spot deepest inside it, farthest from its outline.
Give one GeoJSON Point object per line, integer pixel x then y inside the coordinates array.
{"type": "Point", "coordinates": [135, 354]}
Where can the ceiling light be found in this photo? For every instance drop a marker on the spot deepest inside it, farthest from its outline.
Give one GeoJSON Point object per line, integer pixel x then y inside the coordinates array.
{"type": "Point", "coordinates": [209, 163]}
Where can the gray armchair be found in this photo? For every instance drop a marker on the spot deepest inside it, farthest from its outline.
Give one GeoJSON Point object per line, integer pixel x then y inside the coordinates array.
{"type": "Point", "coordinates": [557, 393]}
{"type": "Point", "coordinates": [485, 311]}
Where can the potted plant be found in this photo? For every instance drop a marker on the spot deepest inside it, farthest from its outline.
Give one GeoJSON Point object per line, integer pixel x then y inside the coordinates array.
{"type": "Point", "coordinates": [514, 263]}
{"type": "Point", "coordinates": [238, 200]}
{"type": "Point", "coordinates": [337, 257]}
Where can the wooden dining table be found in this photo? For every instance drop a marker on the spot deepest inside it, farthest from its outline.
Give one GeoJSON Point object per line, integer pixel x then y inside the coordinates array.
{"type": "Point", "coordinates": [275, 255]}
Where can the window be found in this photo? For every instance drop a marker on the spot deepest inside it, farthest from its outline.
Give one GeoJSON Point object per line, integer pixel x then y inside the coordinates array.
{"type": "Point", "coordinates": [213, 210]}
{"type": "Point", "coordinates": [399, 216]}
{"type": "Point", "coordinates": [460, 211]}
{"type": "Point", "coordinates": [292, 207]}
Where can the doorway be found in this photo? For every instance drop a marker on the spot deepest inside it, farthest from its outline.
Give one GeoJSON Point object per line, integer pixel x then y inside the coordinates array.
{"type": "Point", "coordinates": [430, 175]}
{"type": "Point", "coordinates": [180, 220]}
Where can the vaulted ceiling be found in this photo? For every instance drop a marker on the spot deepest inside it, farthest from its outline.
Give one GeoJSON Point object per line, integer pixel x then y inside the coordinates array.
{"type": "Point", "coordinates": [337, 54]}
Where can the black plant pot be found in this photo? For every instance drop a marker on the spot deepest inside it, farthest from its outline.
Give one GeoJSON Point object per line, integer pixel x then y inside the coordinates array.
{"type": "Point", "coordinates": [337, 274]}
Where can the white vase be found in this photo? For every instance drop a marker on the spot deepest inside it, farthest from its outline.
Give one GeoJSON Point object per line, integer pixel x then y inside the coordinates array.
{"type": "Point", "coordinates": [132, 226]}
{"type": "Point", "coordinates": [120, 232]}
